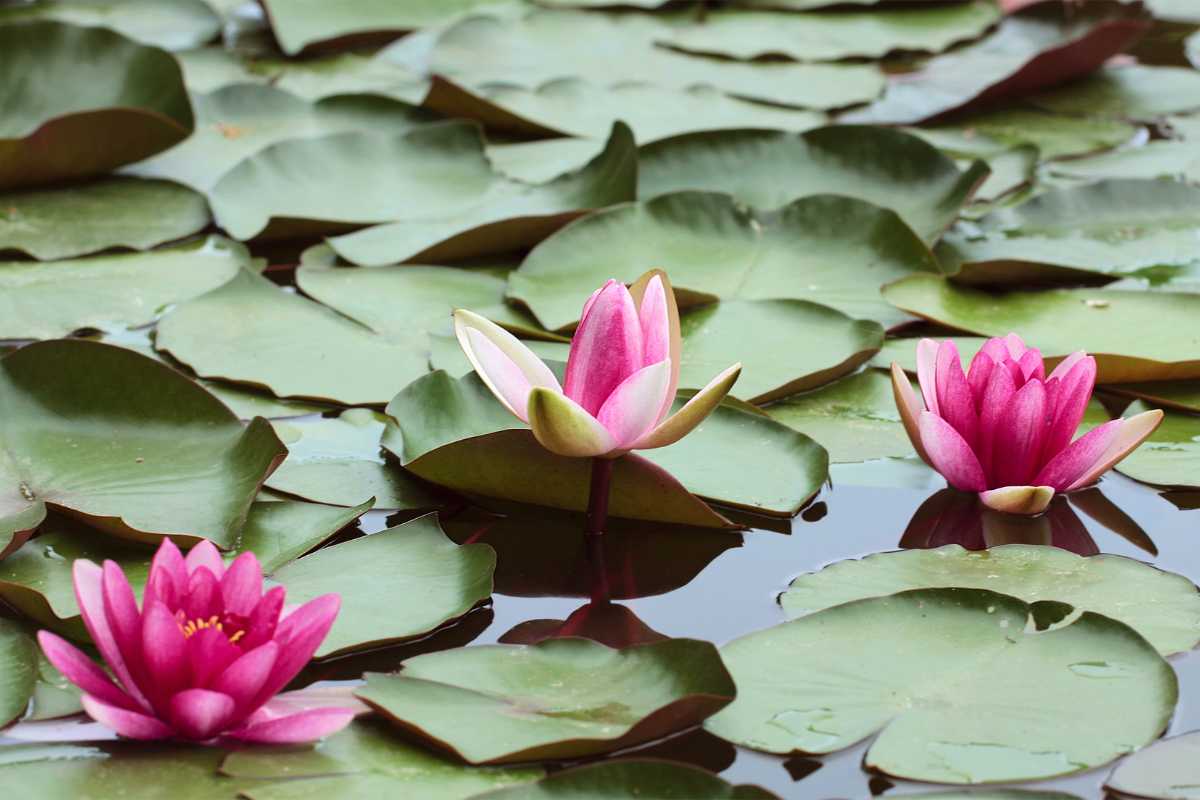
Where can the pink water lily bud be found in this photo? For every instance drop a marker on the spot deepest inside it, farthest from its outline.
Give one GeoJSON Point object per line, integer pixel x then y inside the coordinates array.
{"type": "Point", "coordinates": [203, 659]}
{"type": "Point", "coordinates": [622, 373]}
{"type": "Point", "coordinates": [1003, 429]}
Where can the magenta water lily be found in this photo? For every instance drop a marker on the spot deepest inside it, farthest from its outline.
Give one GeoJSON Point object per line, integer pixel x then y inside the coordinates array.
{"type": "Point", "coordinates": [1003, 429]}
{"type": "Point", "coordinates": [205, 657]}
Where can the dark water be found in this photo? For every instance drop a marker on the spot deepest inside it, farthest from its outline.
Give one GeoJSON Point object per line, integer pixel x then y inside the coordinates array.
{"type": "Point", "coordinates": [718, 586]}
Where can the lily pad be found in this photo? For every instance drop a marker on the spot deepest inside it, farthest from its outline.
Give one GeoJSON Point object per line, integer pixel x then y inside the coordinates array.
{"type": "Point", "coordinates": [1042, 47]}
{"type": "Point", "coordinates": [114, 212]}
{"type": "Point", "coordinates": [832, 250]}
{"type": "Point", "coordinates": [1135, 336]}
{"type": "Point", "coordinates": [18, 670]}
{"type": "Point", "coordinates": [1177, 395]}
{"type": "Point", "coordinates": [455, 434]}
{"type": "Point", "coordinates": [1171, 456]}
{"type": "Point", "coordinates": [364, 760]}
{"type": "Point", "coordinates": [1165, 770]}
{"type": "Point", "coordinates": [560, 699]}
{"type": "Point", "coordinates": [235, 122]}
{"type": "Point", "coordinates": [132, 771]}
{"type": "Point", "coordinates": [36, 580]}
{"type": "Point", "coordinates": [1057, 701]}
{"type": "Point", "coordinates": [250, 331]}
{"type": "Point", "coordinates": [834, 35]}
{"type": "Point", "coordinates": [395, 585]}
{"type": "Point", "coordinates": [339, 461]}
{"type": "Point", "coordinates": [768, 169]}
{"type": "Point", "coordinates": [1112, 228]}
{"type": "Point", "coordinates": [248, 404]}
{"type": "Point", "coordinates": [982, 133]}
{"type": "Point", "coordinates": [855, 418]}
{"type": "Point", "coordinates": [43, 301]}
{"type": "Point", "coordinates": [1161, 606]}
{"type": "Point", "coordinates": [538, 47]}
{"type": "Point", "coordinates": [125, 442]}
{"type": "Point", "coordinates": [1154, 160]}
{"type": "Point", "coordinates": [904, 351]}
{"type": "Point", "coordinates": [1131, 91]}
{"type": "Point", "coordinates": [170, 24]}
{"type": "Point", "coordinates": [628, 778]}
{"type": "Point", "coordinates": [57, 127]}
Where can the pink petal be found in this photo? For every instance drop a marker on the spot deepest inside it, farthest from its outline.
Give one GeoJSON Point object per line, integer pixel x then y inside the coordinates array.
{"type": "Point", "coordinates": [129, 724]}
{"type": "Point", "coordinates": [203, 597]}
{"type": "Point", "coordinates": [1069, 464]}
{"type": "Point", "coordinates": [502, 361]}
{"type": "Point", "coordinates": [999, 393]}
{"type": "Point", "coordinates": [1071, 399]}
{"type": "Point", "coordinates": [503, 376]}
{"type": "Point", "coordinates": [1131, 433]}
{"type": "Point", "coordinates": [655, 316]}
{"type": "Point", "coordinates": [927, 351]}
{"type": "Point", "coordinates": [89, 594]}
{"type": "Point", "coordinates": [1067, 364]}
{"type": "Point", "coordinates": [1025, 500]}
{"type": "Point", "coordinates": [1032, 366]}
{"type": "Point", "coordinates": [633, 409]}
{"type": "Point", "coordinates": [299, 635]}
{"type": "Point", "coordinates": [241, 587]}
{"type": "Point", "coordinates": [910, 409]}
{"type": "Point", "coordinates": [978, 375]}
{"type": "Point", "coordinates": [606, 349]}
{"type": "Point", "coordinates": [1016, 346]}
{"type": "Point", "coordinates": [209, 653]}
{"type": "Point", "coordinates": [205, 554]}
{"type": "Point", "coordinates": [694, 411]}
{"type": "Point", "coordinates": [244, 679]}
{"type": "Point", "coordinates": [264, 618]}
{"type": "Point", "coordinates": [1017, 445]}
{"type": "Point", "coordinates": [996, 349]}
{"type": "Point", "coordinates": [82, 671]}
{"type": "Point", "coordinates": [955, 402]}
{"type": "Point", "coordinates": [165, 657]}
{"type": "Point", "coordinates": [307, 726]}
{"type": "Point", "coordinates": [124, 619]}
{"type": "Point", "coordinates": [950, 454]}
{"type": "Point", "coordinates": [200, 714]}
{"type": "Point", "coordinates": [168, 575]}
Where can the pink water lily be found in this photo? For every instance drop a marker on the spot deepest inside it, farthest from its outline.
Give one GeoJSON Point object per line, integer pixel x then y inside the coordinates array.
{"type": "Point", "coordinates": [1004, 430]}
{"type": "Point", "coordinates": [622, 373]}
{"type": "Point", "coordinates": [204, 658]}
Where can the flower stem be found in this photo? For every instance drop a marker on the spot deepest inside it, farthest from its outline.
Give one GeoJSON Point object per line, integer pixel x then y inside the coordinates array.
{"type": "Point", "coordinates": [599, 591]}
{"type": "Point", "coordinates": [597, 513]}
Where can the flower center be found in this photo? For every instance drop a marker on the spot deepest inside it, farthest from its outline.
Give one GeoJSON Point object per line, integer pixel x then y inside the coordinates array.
{"type": "Point", "coordinates": [232, 625]}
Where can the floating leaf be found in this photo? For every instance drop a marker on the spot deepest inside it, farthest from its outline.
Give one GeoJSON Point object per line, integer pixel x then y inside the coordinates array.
{"type": "Point", "coordinates": [454, 433]}
{"type": "Point", "coordinates": [833, 35]}
{"type": "Point", "coordinates": [280, 532]}
{"type": "Point", "coordinates": [1156, 160]}
{"type": "Point", "coordinates": [1132, 91]}
{"type": "Point", "coordinates": [132, 771]}
{"type": "Point", "coordinates": [339, 461]}
{"type": "Point", "coordinates": [114, 212]}
{"type": "Point", "coordinates": [54, 696]}
{"type": "Point", "coordinates": [539, 47]}
{"type": "Point", "coordinates": [1117, 227]}
{"type": "Point", "coordinates": [249, 330]}
{"type": "Point", "coordinates": [1171, 456]}
{"type": "Point", "coordinates": [833, 250]}
{"type": "Point", "coordinates": [42, 301]}
{"type": "Point", "coordinates": [1161, 606]}
{"type": "Point", "coordinates": [395, 585]}
{"type": "Point", "coordinates": [18, 670]}
{"type": "Point", "coordinates": [542, 159]}
{"type": "Point", "coordinates": [58, 127]}
{"type": "Point", "coordinates": [980, 134]}
{"type": "Point", "coordinates": [768, 169]}
{"type": "Point", "coordinates": [1178, 395]}
{"type": "Point", "coordinates": [248, 404]}
{"type": "Point", "coordinates": [904, 351]}
{"type": "Point", "coordinates": [1135, 336]}
{"type": "Point", "coordinates": [362, 761]}
{"type": "Point", "coordinates": [1165, 770]}
{"type": "Point", "coordinates": [563, 698]}
{"type": "Point", "coordinates": [626, 778]}
{"type": "Point", "coordinates": [1040, 48]}
{"type": "Point", "coordinates": [970, 691]}
{"type": "Point", "coordinates": [126, 442]}
{"type": "Point", "coordinates": [170, 24]}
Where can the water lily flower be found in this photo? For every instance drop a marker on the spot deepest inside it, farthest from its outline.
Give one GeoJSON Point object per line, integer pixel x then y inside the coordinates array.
{"type": "Point", "coordinates": [622, 373]}
{"type": "Point", "coordinates": [204, 658]}
{"type": "Point", "coordinates": [1003, 429]}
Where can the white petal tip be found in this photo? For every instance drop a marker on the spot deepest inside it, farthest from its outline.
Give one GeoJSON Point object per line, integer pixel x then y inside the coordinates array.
{"type": "Point", "coordinates": [1023, 500]}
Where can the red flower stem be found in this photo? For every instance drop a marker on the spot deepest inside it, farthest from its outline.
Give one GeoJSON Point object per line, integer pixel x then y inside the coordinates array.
{"type": "Point", "coordinates": [600, 593]}
{"type": "Point", "coordinates": [597, 513]}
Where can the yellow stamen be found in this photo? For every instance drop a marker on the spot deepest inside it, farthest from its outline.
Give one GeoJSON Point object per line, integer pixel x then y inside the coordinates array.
{"type": "Point", "coordinates": [193, 626]}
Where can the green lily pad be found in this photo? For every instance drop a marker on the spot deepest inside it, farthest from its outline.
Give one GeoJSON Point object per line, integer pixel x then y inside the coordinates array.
{"type": "Point", "coordinates": [855, 418]}
{"type": "Point", "coordinates": [395, 585]}
{"type": "Point", "coordinates": [578, 107]}
{"type": "Point", "coordinates": [134, 771]}
{"type": "Point", "coordinates": [1177, 395]}
{"type": "Point", "coordinates": [1115, 227]}
{"type": "Point", "coordinates": [1012, 170]}
{"type": "Point", "coordinates": [36, 580]}
{"type": "Point", "coordinates": [542, 160]}
{"type": "Point", "coordinates": [1171, 456]}
{"type": "Point", "coordinates": [1040, 48]}
{"type": "Point", "coordinates": [248, 404]}
{"type": "Point", "coordinates": [834, 35]}
{"type": "Point", "coordinates": [979, 134]}
{"type": "Point", "coordinates": [125, 442]}
{"type": "Point", "coordinates": [718, 335]}
{"type": "Point", "coordinates": [54, 696]}
{"type": "Point", "coordinates": [1135, 336]}
{"type": "Point", "coordinates": [127, 290]}
{"type": "Point", "coordinates": [539, 47]}
{"type": "Point", "coordinates": [339, 461]}
{"type": "Point", "coordinates": [454, 433]}
{"type": "Point", "coordinates": [133, 103]}
{"type": "Point", "coordinates": [560, 699]}
{"type": "Point", "coordinates": [836, 251]}
{"type": "Point", "coordinates": [627, 778]}
{"type": "Point", "coordinates": [904, 352]}
{"type": "Point", "coordinates": [1165, 770]}
{"type": "Point", "coordinates": [170, 24]}
{"type": "Point", "coordinates": [1153, 160]}
{"type": "Point", "coordinates": [114, 212]}
{"type": "Point", "coordinates": [1161, 606]}
{"type": "Point", "coordinates": [768, 169]}
{"type": "Point", "coordinates": [235, 122]}
{"type": "Point", "coordinates": [1131, 91]}
{"type": "Point", "coordinates": [969, 692]}
{"type": "Point", "coordinates": [251, 331]}
{"type": "Point", "coordinates": [18, 670]}
{"type": "Point", "coordinates": [364, 760]}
